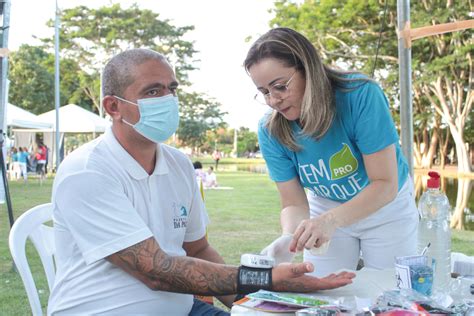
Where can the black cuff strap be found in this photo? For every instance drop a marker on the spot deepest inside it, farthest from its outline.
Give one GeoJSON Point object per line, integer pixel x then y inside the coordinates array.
{"type": "Point", "coordinates": [251, 280]}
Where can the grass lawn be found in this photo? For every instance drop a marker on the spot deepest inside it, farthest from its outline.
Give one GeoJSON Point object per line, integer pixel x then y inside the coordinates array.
{"type": "Point", "coordinates": [244, 219]}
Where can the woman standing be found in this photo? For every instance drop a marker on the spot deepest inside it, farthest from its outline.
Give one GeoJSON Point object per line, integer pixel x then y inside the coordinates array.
{"type": "Point", "coordinates": [331, 132]}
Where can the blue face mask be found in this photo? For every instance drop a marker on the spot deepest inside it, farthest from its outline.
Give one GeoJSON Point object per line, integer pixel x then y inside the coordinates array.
{"type": "Point", "coordinates": [159, 117]}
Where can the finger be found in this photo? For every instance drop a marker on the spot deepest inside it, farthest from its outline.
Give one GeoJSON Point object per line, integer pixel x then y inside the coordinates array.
{"type": "Point", "coordinates": [320, 241]}
{"type": "Point", "coordinates": [311, 243]}
{"type": "Point", "coordinates": [334, 283]}
{"type": "Point", "coordinates": [303, 240]}
{"type": "Point", "coordinates": [346, 274]}
{"type": "Point", "coordinates": [340, 275]}
{"type": "Point", "coordinates": [299, 230]}
{"type": "Point", "coordinates": [299, 269]}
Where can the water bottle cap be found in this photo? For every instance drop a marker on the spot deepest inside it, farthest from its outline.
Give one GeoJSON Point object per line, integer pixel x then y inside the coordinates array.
{"type": "Point", "coordinates": [433, 181]}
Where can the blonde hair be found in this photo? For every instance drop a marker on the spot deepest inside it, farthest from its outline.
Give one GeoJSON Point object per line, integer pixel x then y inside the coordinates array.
{"type": "Point", "coordinates": [318, 108]}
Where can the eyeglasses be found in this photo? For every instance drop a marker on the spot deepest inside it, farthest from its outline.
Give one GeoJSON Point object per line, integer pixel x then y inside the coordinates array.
{"type": "Point", "coordinates": [278, 91]}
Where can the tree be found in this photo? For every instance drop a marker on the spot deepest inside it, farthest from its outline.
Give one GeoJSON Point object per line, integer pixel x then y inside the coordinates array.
{"type": "Point", "coordinates": [92, 36]}
{"type": "Point", "coordinates": [447, 72]}
{"type": "Point", "coordinates": [32, 80]}
{"type": "Point", "coordinates": [31, 85]}
{"type": "Point", "coordinates": [247, 141]}
{"type": "Point", "coordinates": [346, 33]}
{"type": "Point", "coordinates": [198, 115]}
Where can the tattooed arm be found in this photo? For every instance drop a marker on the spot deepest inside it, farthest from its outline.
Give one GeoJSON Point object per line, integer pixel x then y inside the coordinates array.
{"type": "Point", "coordinates": [159, 271]}
{"type": "Point", "coordinates": [203, 250]}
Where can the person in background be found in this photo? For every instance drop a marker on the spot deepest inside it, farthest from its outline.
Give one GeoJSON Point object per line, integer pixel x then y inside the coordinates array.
{"type": "Point", "coordinates": [129, 220]}
{"type": "Point", "coordinates": [200, 174]}
{"type": "Point", "coordinates": [46, 150]}
{"type": "Point", "coordinates": [15, 164]}
{"type": "Point", "coordinates": [331, 132]}
{"type": "Point", "coordinates": [41, 156]}
{"type": "Point", "coordinates": [211, 178]}
{"type": "Point", "coordinates": [23, 156]}
{"type": "Point", "coordinates": [216, 155]}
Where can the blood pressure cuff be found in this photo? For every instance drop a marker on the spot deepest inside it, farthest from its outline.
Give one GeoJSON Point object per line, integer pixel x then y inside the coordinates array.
{"type": "Point", "coordinates": [251, 280]}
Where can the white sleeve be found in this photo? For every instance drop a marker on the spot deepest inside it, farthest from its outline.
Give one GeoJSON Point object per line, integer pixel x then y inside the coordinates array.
{"type": "Point", "coordinates": [100, 217]}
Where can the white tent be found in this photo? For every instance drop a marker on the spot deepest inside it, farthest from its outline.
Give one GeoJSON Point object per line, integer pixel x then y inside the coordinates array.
{"type": "Point", "coordinates": [74, 119]}
{"type": "Point", "coordinates": [19, 118]}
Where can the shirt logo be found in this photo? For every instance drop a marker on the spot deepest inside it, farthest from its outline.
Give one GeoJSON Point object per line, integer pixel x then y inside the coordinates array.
{"type": "Point", "coordinates": [343, 163]}
{"type": "Point", "coordinates": [321, 176]}
{"type": "Point", "coordinates": [180, 219]}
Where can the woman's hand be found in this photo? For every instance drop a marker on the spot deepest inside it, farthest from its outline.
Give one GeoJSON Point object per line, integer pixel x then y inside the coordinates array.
{"type": "Point", "coordinates": [279, 249]}
{"type": "Point", "coordinates": [313, 232]}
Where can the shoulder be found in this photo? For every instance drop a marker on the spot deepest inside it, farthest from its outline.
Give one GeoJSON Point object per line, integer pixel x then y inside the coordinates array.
{"type": "Point", "coordinates": [175, 157]}
{"type": "Point", "coordinates": [358, 94]}
{"type": "Point", "coordinates": [173, 152]}
{"type": "Point", "coordinates": [262, 130]}
{"type": "Point", "coordinates": [79, 159]}
{"type": "Point", "coordinates": [356, 85]}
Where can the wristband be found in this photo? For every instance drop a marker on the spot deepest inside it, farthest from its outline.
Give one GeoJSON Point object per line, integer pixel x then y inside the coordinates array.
{"type": "Point", "coordinates": [251, 280]}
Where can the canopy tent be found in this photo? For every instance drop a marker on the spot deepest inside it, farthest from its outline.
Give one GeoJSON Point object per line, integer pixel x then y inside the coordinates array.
{"type": "Point", "coordinates": [74, 119]}
{"type": "Point", "coordinates": [17, 117]}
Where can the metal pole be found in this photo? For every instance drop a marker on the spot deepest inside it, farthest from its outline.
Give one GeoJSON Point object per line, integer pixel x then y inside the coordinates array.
{"type": "Point", "coordinates": [5, 13]}
{"type": "Point", "coordinates": [56, 83]}
{"type": "Point", "coordinates": [406, 106]}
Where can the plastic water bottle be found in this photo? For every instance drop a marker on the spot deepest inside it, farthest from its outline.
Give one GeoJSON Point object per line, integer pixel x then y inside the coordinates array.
{"type": "Point", "coordinates": [434, 228]}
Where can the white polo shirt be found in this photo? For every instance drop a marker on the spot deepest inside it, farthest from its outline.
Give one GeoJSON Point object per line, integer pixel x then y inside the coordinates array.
{"type": "Point", "coordinates": [104, 201]}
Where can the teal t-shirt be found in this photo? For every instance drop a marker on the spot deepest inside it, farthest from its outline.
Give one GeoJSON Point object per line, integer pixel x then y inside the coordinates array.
{"type": "Point", "coordinates": [333, 166]}
{"type": "Point", "coordinates": [23, 157]}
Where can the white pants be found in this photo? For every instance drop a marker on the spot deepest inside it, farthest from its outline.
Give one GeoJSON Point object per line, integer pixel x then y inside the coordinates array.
{"type": "Point", "coordinates": [23, 170]}
{"type": "Point", "coordinates": [391, 231]}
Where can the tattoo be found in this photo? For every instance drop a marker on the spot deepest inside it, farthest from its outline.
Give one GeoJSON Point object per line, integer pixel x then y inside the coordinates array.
{"type": "Point", "coordinates": [150, 264]}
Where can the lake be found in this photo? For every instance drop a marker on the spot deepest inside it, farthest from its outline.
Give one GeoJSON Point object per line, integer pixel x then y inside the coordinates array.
{"type": "Point", "coordinates": [463, 214]}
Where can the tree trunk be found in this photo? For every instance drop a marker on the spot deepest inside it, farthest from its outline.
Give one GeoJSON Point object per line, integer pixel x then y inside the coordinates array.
{"type": "Point", "coordinates": [443, 147]}
{"type": "Point", "coordinates": [464, 163]}
{"type": "Point", "coordinates": [454, 116]}
{"type": "Point", "coordinates": [430, 152]}
{"type": "Point", "coordinates": [417, 153]}
{"type": "Point", "coordinates": [464, 192]}
{"type": "Point", "coordinates": [94, 98]}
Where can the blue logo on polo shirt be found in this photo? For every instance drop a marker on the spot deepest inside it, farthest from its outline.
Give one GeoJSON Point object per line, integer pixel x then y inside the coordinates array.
{"type": "Point", "coordinates": [180, 219]}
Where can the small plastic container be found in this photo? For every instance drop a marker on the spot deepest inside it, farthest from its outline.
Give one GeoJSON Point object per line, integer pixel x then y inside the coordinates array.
{"type": "Point", "coordinates": [415, 272]}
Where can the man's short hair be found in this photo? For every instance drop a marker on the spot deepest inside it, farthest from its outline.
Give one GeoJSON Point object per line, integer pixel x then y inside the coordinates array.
{"type": "Point", "coordinates": [118, 73]}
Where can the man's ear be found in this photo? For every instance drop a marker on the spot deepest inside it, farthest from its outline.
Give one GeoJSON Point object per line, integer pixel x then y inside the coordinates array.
{"type": "Point", "coordinates": [110, 104]}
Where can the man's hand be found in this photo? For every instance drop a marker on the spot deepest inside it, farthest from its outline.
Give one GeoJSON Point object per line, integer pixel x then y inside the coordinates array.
{"type": "Point", "coordinates": [292, 278]}
{"type": "Point", "coordinates": [279, 249]}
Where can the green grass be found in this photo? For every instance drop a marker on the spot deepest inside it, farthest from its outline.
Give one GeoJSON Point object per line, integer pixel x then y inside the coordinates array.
{"type": "Point", "coordinates": [13, 299]}
{"type": "Point", "coordinates": [229, 161]}
{"type": "Point", "coordinates": [244, 219]}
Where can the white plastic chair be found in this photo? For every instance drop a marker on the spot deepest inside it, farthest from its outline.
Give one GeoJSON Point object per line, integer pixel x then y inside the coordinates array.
{"type": "Point", "coordinates": [31, 225]}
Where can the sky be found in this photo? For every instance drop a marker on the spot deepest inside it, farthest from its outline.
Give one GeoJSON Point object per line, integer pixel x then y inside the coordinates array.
{"type": "Point", "coordinates": [220, 31]}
